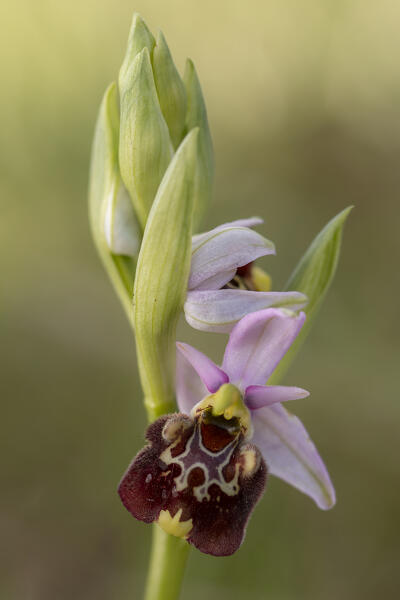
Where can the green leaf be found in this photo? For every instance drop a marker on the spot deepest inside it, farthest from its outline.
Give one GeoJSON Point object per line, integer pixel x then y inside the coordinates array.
{"type": "Point", "coordinates": [170, 89]}
{"type": "Point", "coordinates": [313, 276]}
{"type": "Point", "coordinates": [196, 116]}
{"type": "Point", "coordinates": [161, 278]}
{"type": "Point", "coordinates": [105, 187]}
{"type": "Point", "coordinates": [145, 148]}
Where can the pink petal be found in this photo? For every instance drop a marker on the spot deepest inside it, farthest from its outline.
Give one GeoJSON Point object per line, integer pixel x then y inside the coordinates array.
{"type": "Point", "coordinates": [222, 253]}
{"type": "Point", "coordinates": [189, 387]}
{"type": "Point", "coordinates": [216, 281]}
{"type": "Point", "coordinates": [211, 375]}
{"type": "Point", "coordinates": [257, 344]}
{"type": "Point", "coordinates": [291, 455]}
{"type": "Point", "coordinates": [251, 222]}
{"type": "Point", "coordinates": [258, 396]}
{"type": "Point", "coordinates": [220, 310]}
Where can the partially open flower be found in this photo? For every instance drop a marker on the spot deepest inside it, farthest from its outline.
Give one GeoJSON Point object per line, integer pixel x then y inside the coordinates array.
{"type": "Point", "coordinates": [203, 470]}
{"type": "Point", "coordinates": [224, 285]}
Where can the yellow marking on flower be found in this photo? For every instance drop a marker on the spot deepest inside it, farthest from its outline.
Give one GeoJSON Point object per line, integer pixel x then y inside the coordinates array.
{"type": "Point", "coordinates": [227, 402]}
{"type": "Point", "coordinates": [261, 280]}
{"type": "Point", "coordinates": [250, 461]}
{"type": "Point", "coordinates": [173, 429]}
{"type": "Point", "coordinates": [174, 525]}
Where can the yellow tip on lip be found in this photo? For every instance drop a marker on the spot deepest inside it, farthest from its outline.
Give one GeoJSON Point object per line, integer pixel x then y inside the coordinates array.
{"type": "Point", "coordinates": [173, 525]}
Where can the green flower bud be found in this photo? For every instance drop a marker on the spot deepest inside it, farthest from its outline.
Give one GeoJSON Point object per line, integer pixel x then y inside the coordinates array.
{"type": "Point", "coordinates": [196, 116]}
{"type": "Point", "coordinates": [145, 148]}
{"type": "Point", "coordinates": [170, 89]}
{"type": "Point", "coordinates": [139, 37]}
{"type": "Point", "coordinates": [313, 276]}
{"type": "Point", "coordinates": [121, 228]}
{"type": "Point", "coordinates": [106, 196]}
{"type": "Point", "coordinates": [161, 277]}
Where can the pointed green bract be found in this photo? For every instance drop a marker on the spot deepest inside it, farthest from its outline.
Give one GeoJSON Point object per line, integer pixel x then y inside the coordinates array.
{"type": "Point", "coordinates": [196, 116]}
{"type": "Point", "coordinates": [145, 148]}
{"type": "Point", "coordinates": [104, 188]}
{"type": "Point", "coordinates": [170, 89]}
{"type": "Point", "coordinates": [161, 278]}
{"type": "Point", "coordinates": [139, 37]}
{"type": "Point", "coordinates": [313, 276]}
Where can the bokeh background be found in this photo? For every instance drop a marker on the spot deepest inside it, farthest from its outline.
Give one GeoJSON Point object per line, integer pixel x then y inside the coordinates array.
{"type": "Point", "coordinates": [304, 105]}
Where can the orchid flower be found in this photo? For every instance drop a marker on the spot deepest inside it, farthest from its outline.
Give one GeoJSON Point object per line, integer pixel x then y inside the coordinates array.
{"type": "Point", "coordinates": [204, 470]}
{"type": "Point", "coordinates": [224, 285]}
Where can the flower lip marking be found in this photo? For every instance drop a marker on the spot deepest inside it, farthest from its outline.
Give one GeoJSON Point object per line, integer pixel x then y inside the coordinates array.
{"type": "Point", "coordinates": [213, 465]}
{"type": "Point", "coordinates": [197, 479]}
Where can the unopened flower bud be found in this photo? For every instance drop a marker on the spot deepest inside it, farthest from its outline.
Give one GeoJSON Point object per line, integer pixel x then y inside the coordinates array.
{"type": "Point", "coordinates": [145, 148]}
{"type": "Point", "coordinates": [139, 37]}
{"type": "Point", "coordinates": [121, 228]}
{"type": "Point", "coordinates": [111, 218]}
{"type": "Point", "coordinates": [170, 89]}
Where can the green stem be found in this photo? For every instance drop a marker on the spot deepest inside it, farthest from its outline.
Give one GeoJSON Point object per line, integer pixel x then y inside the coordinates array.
{"type": "Point", "coordinates": [167, 566]}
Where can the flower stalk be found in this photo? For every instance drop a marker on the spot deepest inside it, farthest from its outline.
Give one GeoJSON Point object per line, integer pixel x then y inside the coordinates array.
{"type": "Point", "coordinates": [165, 257]}
{"type": "Point", "coordinates": [168, 560]}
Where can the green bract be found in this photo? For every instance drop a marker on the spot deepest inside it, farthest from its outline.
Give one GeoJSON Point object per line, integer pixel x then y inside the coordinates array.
{"type": "Point", "coordinates": [312, 277]}
{"type": "Point", "coordinates": [107, 196]}
{"type": "Point", "coordinates": [161, 278]}
{"type": "Point", "coordinates": [196, 116]}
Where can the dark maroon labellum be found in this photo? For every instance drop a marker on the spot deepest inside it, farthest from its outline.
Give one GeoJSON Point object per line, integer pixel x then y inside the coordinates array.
{"type": "Point", "coordinates": [198, 479]}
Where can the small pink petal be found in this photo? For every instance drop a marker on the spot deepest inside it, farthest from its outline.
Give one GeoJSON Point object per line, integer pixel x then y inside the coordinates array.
{"type": "Point", "coordinates": [211, 375]}
{"type": "Point", "coordinates": [258, 396]}
{"type": "Point", "coordinates": [189, 387]}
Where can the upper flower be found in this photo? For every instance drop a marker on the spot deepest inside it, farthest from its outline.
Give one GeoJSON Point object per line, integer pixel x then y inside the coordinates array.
{"type": "Point", "coordinates": [223, 286]}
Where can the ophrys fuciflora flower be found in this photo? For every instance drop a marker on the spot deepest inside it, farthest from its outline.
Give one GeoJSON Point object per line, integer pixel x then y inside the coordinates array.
{"type": "Point", "coordinates": [204, 469]}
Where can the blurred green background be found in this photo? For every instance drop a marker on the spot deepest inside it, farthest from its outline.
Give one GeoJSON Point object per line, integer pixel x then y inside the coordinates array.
{"type": "Point", "coordinates": [304, 105]}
